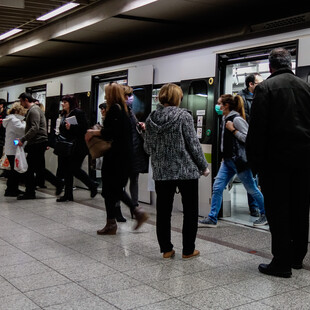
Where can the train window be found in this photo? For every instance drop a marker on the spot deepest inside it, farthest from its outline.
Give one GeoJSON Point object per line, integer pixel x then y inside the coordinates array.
{"type": "Point", "coordinates": [237, 72]}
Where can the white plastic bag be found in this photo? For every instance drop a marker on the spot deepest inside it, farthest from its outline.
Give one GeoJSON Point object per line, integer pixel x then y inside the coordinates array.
{"type": "Point", "coordinates": [4, 163]}
{"type": "Point", "coordinates": [20, 164]}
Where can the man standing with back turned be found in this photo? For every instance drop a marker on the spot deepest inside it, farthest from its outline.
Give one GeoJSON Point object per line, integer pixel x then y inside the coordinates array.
{"type": "Point", "coordinates": [278, 148]}
{"type": "Point", "coordinates": [36, 137]}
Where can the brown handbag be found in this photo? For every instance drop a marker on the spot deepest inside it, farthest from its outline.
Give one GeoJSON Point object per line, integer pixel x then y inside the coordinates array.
{"type": "Point", "coordinates": [97, 146]}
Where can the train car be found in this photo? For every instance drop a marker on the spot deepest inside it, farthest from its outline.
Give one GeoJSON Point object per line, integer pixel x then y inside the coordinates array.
{"type": "Point", "coordinates": [203, 74]}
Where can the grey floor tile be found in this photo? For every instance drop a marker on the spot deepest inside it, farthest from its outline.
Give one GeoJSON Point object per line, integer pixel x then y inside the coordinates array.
{"type": "Point", "coordinates": [293, 300]}
{"type": "Point", "coordinates": [230, 257]}
{"type": "Point", "coordinates": [68, 261]}
{"type": "Point", "coordinates": [225, 275]}
{"type": "Point", "coordinates": [179, 286]}
{"type": "Point", "coordinates": [170, 304]}
{"type": "Point", "coordinates": [94, 303]}
{"type": "Point", "coordinates": [38, 281]}
{"type": "Point", "coordinates": [15, 259]}
{"type": "Point", "coordinates": [258, 287]}
{"type": "Point", "coordinates": [58, 294]}
{"type": "Point", "coordinates": [7, 289]}
{"type": "Point", "coordinates": [22, 270]}
{"type": "Point", "coordinates": [17, 302]}
{"type": "Point", "coordinates": [127, 262]}
{"type": "Point", "coordinates": [86, 271]}
{"type": "Point", "coordinates": [215, 298]}
{"type": "Point", "coordinates": [134, 297]}
{"type": "Point", "coordinates": [156, 272]}
{"type": "Point", "coordinates": [110, 283]}
{"type": "Point", "coordinates": [254, 306]}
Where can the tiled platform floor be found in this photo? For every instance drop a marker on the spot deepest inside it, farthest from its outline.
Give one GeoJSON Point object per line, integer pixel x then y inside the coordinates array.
{"type": "Point", "coordinates": [51, 258]}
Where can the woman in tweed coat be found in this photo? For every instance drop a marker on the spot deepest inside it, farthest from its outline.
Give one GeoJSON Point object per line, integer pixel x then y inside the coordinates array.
{"type": "Point", "coordinates": [178, 162]}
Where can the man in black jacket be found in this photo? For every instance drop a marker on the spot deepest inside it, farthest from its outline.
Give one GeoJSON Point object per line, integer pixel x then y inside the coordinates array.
{"type": "Point", "coordinates": [278, 148]}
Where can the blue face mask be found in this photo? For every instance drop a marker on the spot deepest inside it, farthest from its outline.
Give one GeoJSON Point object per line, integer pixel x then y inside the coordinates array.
{"type": "Point", "coordinates": [218, 109]}
{"type": "Point", "coordinates": [130, 101]}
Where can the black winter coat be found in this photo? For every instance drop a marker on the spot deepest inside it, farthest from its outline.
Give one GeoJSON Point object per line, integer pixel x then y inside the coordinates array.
{"type": "Point", "coordinates": [76, 132]}
{"type": "Point", "coordinates": [117, 161]}
{"type": "Point", "coordinates": [279, 131]}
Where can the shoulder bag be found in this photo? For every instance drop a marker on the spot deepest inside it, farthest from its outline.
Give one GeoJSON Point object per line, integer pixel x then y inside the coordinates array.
{"type": "Point", "coordinates": [97, 146]}
{"type": "Point", "coordinates": [64, 147]}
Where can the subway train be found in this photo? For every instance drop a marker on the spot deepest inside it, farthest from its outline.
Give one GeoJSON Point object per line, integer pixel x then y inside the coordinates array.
{"type": "Point", "coordinates": [203, 75]}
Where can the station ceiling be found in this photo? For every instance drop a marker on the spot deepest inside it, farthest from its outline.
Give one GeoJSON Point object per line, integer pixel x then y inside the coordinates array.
{"type": "Point", "coordinates": [100, 33]}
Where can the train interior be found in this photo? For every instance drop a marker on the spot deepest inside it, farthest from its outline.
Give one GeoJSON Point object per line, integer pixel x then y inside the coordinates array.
{"type": "Point", "coordinates": [235, 206]}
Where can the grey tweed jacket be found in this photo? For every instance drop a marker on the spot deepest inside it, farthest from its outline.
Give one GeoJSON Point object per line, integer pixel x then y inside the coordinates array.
{"type": "Point", "coordinates": [172, 143]}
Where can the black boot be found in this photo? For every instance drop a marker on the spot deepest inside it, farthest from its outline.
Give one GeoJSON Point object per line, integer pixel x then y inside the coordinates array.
{"type": "Point", "coordinates": [118, 215]}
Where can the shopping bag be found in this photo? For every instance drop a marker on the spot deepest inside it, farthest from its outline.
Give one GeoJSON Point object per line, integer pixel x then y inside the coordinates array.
{"type": "Point", "coordinates": [20, 164]}
{"type": "Point", "coordinates": [4, 163]}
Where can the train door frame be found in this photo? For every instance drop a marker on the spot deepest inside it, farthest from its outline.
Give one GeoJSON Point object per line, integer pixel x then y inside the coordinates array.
{"type": "Point", "coordinates": [239, 56]}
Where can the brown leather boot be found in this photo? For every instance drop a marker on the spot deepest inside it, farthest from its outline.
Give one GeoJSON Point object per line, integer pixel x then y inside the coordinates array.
{"type": "Point", "coordinates": [140, 215]}
{"type": "Point", "coordinates": [109, 229]}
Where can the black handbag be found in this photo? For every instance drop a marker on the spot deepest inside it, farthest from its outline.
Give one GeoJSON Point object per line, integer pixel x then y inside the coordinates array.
{"type": "Point", "coordinates": [239, 155]}
{"type": "Point", "coordinates": [64, 147]}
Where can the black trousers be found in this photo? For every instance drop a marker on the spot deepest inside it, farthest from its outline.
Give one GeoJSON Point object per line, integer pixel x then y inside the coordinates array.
{"type": "Point", "coordinates": [165, 191]}
{"type": "Point", "coordinates": [287, 200]}
{"type": "Point", "coordinates": [72, 168]}
{"type": "Point", "coordinates": [36, 163]}
{"type": "Point", "coordinates": [13, 176]}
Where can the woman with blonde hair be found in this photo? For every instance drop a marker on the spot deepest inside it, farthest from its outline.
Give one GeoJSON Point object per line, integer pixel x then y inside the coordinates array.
{"type": "Point", "coordinates": [117, 161]}
{"type": "Point", "coordinates": [233, 136]}
{"type": "Point", "coordinates": [178, 162]}
{"type": "Point", "coordinates": [15, 128]}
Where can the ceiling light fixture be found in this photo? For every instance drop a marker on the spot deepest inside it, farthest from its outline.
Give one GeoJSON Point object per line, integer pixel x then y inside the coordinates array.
{"type": "Point", "coordinates": [58, 11]}
{"type": "Point", "coordinates": [9, 33]}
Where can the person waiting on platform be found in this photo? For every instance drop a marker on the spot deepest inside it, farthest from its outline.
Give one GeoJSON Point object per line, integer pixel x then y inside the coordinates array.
{"type": "Point", "coordinates": [234, 129]}
{"type": "Point", "coordinates": [15, 128]}
{"type": "Point", "coordinates": [178, 162]}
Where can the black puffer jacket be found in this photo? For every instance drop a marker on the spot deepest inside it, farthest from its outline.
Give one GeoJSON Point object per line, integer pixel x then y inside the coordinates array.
{"type": "Point", "coordinates": [279, 131]}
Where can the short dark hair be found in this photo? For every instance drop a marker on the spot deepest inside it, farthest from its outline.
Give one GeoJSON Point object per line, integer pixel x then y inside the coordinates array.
{"type": "Point", "coordinates": [2, 101]}
{"type": "Point", "coordinates": [250, 79]}
{"type": "Point", "coordinates": [280, 58]}
{"type": "Point", "coordinates": [27, 96]}
{"type": "Point", "coordinates": [73, 103]}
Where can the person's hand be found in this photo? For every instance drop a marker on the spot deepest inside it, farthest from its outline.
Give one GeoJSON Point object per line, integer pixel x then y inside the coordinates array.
{"type": "Point", "coordinates": [68, 125]}
{"type": "Point", "coordinates": [142, 125]}
{"type": "Point", "coordinates": [230, 126]}
{"type": "Point", "coordinates": [89, 134]}
{"type": "Point", "coordinates": [206, 172]}
{"type": "Point", "coordinates": [20, 143]}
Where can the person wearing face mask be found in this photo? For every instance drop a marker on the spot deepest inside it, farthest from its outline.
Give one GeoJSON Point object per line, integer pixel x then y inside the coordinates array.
{"type": "Point", "coordinates": [139, 158]}
{"type": "Point", "coordinates": [234, 126]}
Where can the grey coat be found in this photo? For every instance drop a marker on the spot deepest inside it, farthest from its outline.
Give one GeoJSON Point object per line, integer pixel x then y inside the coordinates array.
{"type": "Point", "coordinates": [172, 143]}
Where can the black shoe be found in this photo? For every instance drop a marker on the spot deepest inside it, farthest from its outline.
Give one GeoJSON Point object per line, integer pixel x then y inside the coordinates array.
{"type": "Point", "coordinates": [59, 188]}
{"type": "Point", "coordinates": [26, 196]}
{"type": "Point", "coordinates": [270, 270]}
{"type": "Point", "coordinates": [118, 215]}
{"type": "Point", "coordinates": [297, 265]}
{"type": "Point", "coordinates": [93, 190]}
{"type": "Point", "coordinates": [64, 199]}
